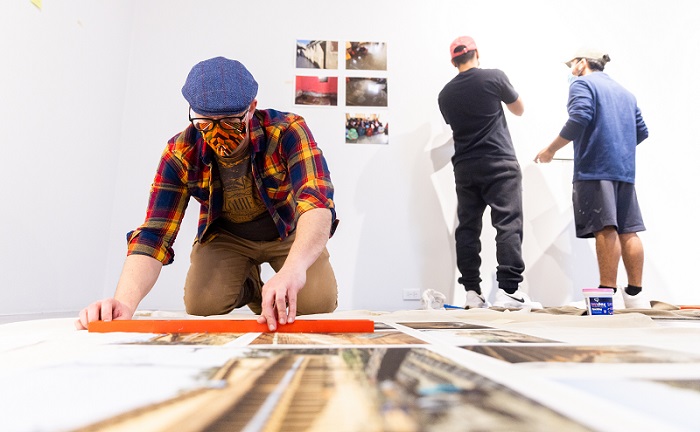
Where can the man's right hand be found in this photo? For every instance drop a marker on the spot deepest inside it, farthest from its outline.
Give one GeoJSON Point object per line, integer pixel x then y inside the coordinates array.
{"type": "Point", "coordinates": [103, 310]}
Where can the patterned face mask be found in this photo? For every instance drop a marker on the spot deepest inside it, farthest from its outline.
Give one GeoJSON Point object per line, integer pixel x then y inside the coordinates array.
{"type": "Point", "coordinates": [224, 141]}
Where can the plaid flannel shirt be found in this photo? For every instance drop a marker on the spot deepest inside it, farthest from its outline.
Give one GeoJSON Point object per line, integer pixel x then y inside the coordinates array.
{"type": "Point", "coordinates": [289, 170]}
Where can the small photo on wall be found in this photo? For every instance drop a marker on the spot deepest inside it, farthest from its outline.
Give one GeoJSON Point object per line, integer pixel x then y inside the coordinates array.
{"type": "Point", "coordinates": [313, 90]}
{"type": "Point", "coordinates": [366, 129]}
{"type": "Point", "coordinates": [366, 92]}
{"type": "Point", "coordinates": [317, 54]}
{"type": "Point", "coordinates": [365, 55]}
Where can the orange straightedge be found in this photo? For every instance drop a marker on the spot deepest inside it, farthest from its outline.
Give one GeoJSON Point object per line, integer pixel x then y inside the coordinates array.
{"type": "Point", "coordinates": [229, 326]}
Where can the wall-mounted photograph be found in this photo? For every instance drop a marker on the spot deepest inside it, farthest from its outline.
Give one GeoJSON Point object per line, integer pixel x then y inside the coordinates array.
{"type": "Point", "coordinates": [365, 55]}
{"type": "Point", "coordinates": [366, 92]}
{"type": "Point", "coordinates": [317, 54]}
{"type": "Point", "coordinates": [366, 129]}
{"type": "Point", "coordinates": [313, 90]}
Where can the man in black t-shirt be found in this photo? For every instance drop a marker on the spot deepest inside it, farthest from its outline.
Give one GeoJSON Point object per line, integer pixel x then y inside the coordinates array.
{"type": "Point", "coordinates": [487, 173]}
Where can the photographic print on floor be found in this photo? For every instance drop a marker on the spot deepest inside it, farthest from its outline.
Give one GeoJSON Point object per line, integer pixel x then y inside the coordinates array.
{"type": "Point", "coordinates": [689, 384]}
{"type": "Point", "coordinates": [381, 337]}
{"type": "Point", "coordinates": [485, 336]}
{"type": "Point", "coordinates": [192, 339]}
{"type": "Point", "coordinates": [198, 382]}
{"type": "Point", "coordinates": [353, 389]}
{"type": "Point", "coordinates": [668, 400]}
{"type": "Point", "coordinates": [433, 325]}
{"type": "Point", "coordinates": [382, 326]}
{"type": "Point", "coordinates": [583, 354]}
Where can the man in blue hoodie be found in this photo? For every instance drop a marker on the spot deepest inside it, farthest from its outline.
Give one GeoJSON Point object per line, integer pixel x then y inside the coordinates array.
{"type": "Point", "coordinates": [605, 125]}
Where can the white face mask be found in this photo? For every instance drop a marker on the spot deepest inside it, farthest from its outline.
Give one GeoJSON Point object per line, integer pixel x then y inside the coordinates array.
{"type": "Point", "coordinates": [572, 78]}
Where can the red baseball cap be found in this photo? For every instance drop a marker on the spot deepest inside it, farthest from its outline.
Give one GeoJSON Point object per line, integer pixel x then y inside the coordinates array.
{"type": "Point", "coordinates": [467, 41]}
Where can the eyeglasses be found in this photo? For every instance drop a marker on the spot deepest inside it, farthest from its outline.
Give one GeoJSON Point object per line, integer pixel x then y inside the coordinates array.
{"type": "Point", "coordinates": [234, 123]}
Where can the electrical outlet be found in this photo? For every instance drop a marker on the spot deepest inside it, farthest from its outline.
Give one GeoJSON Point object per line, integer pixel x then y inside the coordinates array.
{"type": "Point", "coordinates": [411, 294]}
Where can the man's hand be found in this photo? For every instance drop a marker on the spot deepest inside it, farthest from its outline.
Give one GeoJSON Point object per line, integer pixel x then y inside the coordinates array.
{"type": "Point", "coordinates": [547, 154]}
{"type": "Point", "coordinates": [544, 156]}
{"type": "Point", "coordinates": [103, 310]}
{"type": "Point", "coordinates": [279, 294]}
{"type": "Point", "coordinates": [138, 276]}
{"type": "Point", "coordinates": [279, 298]}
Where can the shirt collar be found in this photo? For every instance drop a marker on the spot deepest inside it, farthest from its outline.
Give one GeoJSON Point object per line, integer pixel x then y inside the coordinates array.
{"type": "Point", "coordinates": [257, 133]}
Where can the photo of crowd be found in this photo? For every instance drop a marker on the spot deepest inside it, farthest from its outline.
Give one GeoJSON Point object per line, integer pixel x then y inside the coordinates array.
{"type": "Point", "coordinates": [366, 129]}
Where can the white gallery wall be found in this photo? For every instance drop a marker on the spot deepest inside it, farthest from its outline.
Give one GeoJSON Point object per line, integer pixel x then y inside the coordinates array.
{"type": "Point", "coordinates": [90, 93]}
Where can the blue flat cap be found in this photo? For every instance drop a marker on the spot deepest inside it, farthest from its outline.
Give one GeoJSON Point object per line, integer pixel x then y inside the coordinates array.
{"type": "Point", "coordinates": [219, 86]}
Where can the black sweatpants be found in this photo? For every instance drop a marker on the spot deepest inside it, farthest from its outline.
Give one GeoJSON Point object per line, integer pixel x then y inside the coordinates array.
{"type": "Point", "coordinates": [495, 183]}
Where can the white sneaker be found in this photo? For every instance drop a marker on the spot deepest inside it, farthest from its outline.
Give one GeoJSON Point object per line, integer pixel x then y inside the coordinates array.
{"type": "Point", "coordinates": [618, 301]}
{"type": "Point", "coordinates": [638, 301]}
{"type": "Point", "coordinates": [475, 301]}
{"type": "Point", "coordinates": [518, 300]}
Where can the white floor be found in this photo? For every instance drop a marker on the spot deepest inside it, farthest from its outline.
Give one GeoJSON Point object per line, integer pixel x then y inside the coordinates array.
{"type": "Point", "coordinates": [4, 319]}
{"type": "Point", "coordinates": [609, 373]}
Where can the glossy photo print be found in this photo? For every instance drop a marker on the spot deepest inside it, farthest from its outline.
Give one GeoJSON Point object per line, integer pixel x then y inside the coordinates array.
{"type": "Point", "coordinates": [313, 90]}
{"type": "Point", "coordinates": [371, 92]}
{"type": "Point", "coordinates": [365, 56]}
{"type": "Point", "coordinates": [352, 389]}
{"type": "Point", "coordinates": [317, 54]}
{"type": "Point", "coordinates": [366, 129]}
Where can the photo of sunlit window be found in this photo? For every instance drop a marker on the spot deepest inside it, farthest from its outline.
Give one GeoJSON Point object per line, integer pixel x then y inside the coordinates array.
{"type": "Point", "coordinates": [365, 55]}
{"type": "Point", "coordinates": [366, 92]}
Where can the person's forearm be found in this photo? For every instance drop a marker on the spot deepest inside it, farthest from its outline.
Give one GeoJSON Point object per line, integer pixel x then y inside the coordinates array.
{"type": "Point", "coordinates": [138, 276]}
{"type": "Point", "coordinates": [547, 154]}
{"type": "Point", "coordinates": [558, 143]}
{"type": "Point", "coordinates": [312, 232]}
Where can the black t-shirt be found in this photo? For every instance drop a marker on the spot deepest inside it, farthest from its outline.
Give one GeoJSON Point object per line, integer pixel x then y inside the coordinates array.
{"type": "Point", "coordinates": [471, 104]}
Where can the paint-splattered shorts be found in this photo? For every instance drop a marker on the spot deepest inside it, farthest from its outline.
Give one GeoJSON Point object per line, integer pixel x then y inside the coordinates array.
{"type": "Point", "coordinates": [601, 203]}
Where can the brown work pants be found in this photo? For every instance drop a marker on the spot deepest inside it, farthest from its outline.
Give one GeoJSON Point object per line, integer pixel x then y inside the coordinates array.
{"type": "Point", "coordinates": [224, 274]}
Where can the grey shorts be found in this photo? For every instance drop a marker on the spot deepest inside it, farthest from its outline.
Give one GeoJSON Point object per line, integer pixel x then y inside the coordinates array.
{"type": "Point", "coordinates": [602, 203]}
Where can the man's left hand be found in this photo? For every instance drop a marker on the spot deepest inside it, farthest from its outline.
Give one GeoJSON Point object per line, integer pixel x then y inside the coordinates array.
{"type": "Point", "coordinates": [279, 298]}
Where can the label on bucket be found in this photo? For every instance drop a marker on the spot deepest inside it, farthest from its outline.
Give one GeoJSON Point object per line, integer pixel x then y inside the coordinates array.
{"type": "Point", "coordinates": [599, 301]}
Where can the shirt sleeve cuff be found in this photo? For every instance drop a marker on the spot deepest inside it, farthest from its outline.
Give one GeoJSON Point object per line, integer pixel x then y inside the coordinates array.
{"type": "Point", "coordinates": [571, 130]}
